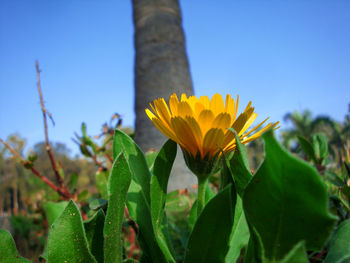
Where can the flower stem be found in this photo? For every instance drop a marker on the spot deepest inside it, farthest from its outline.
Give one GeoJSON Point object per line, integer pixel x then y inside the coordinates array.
{"type": "Point", "coordinates": [202, 182]}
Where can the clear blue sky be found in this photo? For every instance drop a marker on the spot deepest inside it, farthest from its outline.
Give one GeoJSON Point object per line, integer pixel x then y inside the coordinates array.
{"type": "Point", "coordinates": [283, 55]}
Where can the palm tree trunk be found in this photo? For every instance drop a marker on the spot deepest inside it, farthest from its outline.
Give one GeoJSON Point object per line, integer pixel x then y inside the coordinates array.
{"type": "Point", "coordinates": [161, 65]}
{"type": "Point", "coordinates": [161, 68]}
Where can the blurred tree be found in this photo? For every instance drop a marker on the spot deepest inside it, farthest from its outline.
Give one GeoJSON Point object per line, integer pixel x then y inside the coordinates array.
{"type": "Point", "coordinates": [304, 124]}
{"type": "Point", "coordinates": [161, 69]}
{"type": "Point", "coordinates": [69, 165]}
{"type": "Point", "coordinates": [12, 177]}
{"type": "Point", "coordinates": [19, 188]}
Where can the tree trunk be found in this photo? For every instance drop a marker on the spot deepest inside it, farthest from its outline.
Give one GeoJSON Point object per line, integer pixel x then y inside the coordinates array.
{"type": "Point", "coordinates": [161, 67]}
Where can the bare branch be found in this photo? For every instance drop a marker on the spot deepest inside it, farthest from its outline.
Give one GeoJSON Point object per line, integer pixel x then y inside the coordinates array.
{"type": "Point", "coordinates": [47, 142]}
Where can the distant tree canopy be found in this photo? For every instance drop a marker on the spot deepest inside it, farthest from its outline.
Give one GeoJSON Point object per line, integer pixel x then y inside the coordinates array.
{"type": "Point", "coordinates": [18, 184]}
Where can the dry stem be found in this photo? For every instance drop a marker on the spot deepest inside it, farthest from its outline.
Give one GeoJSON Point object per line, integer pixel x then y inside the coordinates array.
{"type": "Point", "coordinates": [47, 142]}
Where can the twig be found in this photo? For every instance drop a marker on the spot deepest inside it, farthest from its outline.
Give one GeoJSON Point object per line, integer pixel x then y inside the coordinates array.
{"type": "Point", "coordinates": [35, 171]}
{"type": "Point", "coordinates": [109, 157]}
{"type": "Point", "coordinates": [47, 142]}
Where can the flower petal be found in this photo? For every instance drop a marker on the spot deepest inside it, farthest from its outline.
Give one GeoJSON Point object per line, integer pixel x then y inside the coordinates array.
{"type": "Point", "coordinates": [205, 119]}
{"type": "Point", "coordinates": [196, 130]}
{"type": "Point", "coordinates": [248, 123]}
{"type": "Point", "coordinates": [192, 100]}
{"type": "Point", "coordinates": [184, 109]}
{"type": "Point", "coordinates": [198, 108]}
{"type": "Point", "coordinates": [230, 105]}
{"type": "Point", "coordinates": [212, 142]}
{"type": "Point", "coordinates": [165, 130]}
{"type": "Point", "coordinates": [150, 114]}
{"type": "Point", "coordinates": [241, 120]}
{"type": "Point", "coordinates": [259, 133]}
{"type": "Point", "coordinates": [222, 121]}
{"type": "Point", "coordinates": [205, 101]}
{"type": "Point", "coordinates": [185, 135]}
{"type": "Point", "coordinates": [183, 97]}
{"type": "Point", "coordinates": [173, 102]}
{"type": "Point", "coordinates": [217, 104]}
{"type": "Point", "coordinates": [162, 110]}
{"type": "Point", "coordinates": [236, 109]}
{"type": "Point", "coordinates": [255, 128]}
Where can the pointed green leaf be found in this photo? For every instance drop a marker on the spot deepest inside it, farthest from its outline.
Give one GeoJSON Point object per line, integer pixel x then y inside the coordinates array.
{"type": "Point", "coordinates": [307, 148]}
{"type": "Point", "coordinates": [53, 210]}
{"type": "Point", "coordinates": [118, 185]}
{"type": "Point", "coordinates": [150, 158]}
{"type": "Point", "coordinates": [239, 166]}
{"type": "Point", "coordinates": [97, 204]}
{"type": "Point", "coordinates": [8, 250]}
{"type": "Point", "coordinates": [320, 145]}
{"type": "Point", "coordinates": [67, 241]}
{"type": "Point", "coordinates": [286, 202]}
{"type": "Point", "coordinates": [239, 235]}
{"type": "Point", "coordinates": [159, 184]}
{"type": "Point", "coordinates": [73, 181]}
{"type": "Point", "coordinates": [240, 232]}
{"type": "Point", "coordinates": [138, 198]}
{"type": "Point", "coordinates": [209, 240]}
{"type": "Point", "coordinates": [255, 249]}
{"type": "Point", "coordinates": [101, 183]}
{"type": "Point", "coordinates": [94, 234]}
{"type": "Point", "coordinates": [297, 254]}
{"type": "Point", "coordinates": [339, 245]}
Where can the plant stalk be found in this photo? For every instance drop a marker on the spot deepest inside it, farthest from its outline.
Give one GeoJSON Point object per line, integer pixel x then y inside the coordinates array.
{"type": "Point", "coordinates": [202, 182]}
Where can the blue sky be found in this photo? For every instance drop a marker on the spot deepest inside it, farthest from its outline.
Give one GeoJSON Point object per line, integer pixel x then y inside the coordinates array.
{"type": "Point", "coordinates": [282, 55]}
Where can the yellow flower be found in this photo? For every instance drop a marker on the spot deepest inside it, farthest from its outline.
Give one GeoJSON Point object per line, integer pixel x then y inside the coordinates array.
{"type": "Point", "coordinates": [200, 126]}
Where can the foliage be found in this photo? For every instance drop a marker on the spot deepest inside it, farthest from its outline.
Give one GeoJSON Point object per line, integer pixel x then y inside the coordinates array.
{"type": "Point", "coordinates": [283, 210]}
{"type": "Point", "coordinates": [278, 214]}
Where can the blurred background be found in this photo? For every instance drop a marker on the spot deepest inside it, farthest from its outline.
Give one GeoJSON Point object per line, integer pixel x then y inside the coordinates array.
{"type": "Point", "coordinates": [290, 58]}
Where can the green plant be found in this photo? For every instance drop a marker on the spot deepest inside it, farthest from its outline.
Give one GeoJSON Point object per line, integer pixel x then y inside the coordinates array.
{"type": "Point", "coordinates": [279, 214]}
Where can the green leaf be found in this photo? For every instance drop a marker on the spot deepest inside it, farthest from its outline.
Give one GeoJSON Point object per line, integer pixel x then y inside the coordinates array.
{"type": "Point", "coordinates": [130, 260]}
{"type": "Point", "coordinates": [86, 138]}
{"type": "Point", "coordinates": [255, 249]}
{"type": "Point", "coordinates": [307, 148]}
{"type": "Point", "coordinates": [159, 184]}
{"type": "Point", "coordinates": [239, 166]}
{"type": "Point", "coordinates": [53, 210]}
{"type": "Point", "coordinates": [193, 215]}
{"type": "Point", "coordinates": [320, 145]}
{"type": "Point", "coordinates": [97, 204]}
{"type": "Point", "coordinates": [240, 232]}
{"type": "Point", "coordinates": [286, 202]}
{"type": "Point", "coordinates": [67, 241]}
{"type": "Point", "coordinates": [118, 185]}
{"type": "Point", "coordinates": [239, 235]}
{"type": "Point", "coordinates": [150, 158]}
{"type": "Point", "coordinates": [32, 158]}
{"type": "Point", "coordinates": [209, 240]}
{"type": "Point", "coordinates": [334, 178]}
{"type": "Point", "coordinates": [8, 250]}
{"type": "Point", "coordinates": [297, 254]}
{"type": "Point", "coordinates": [339, 245]}
{"type": "Point", "coordinates": [83, 196]}
{"type": "Point", "coordinates": [209, 194]}
{"type": "Point", "coordinates": [101, 183]}
{"type": "Point", "coordinates": [73, 181]}
{"type": "Point", "coordinates": [138, 198]}
{"type": "Point", "coordinates": [94, 234]}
